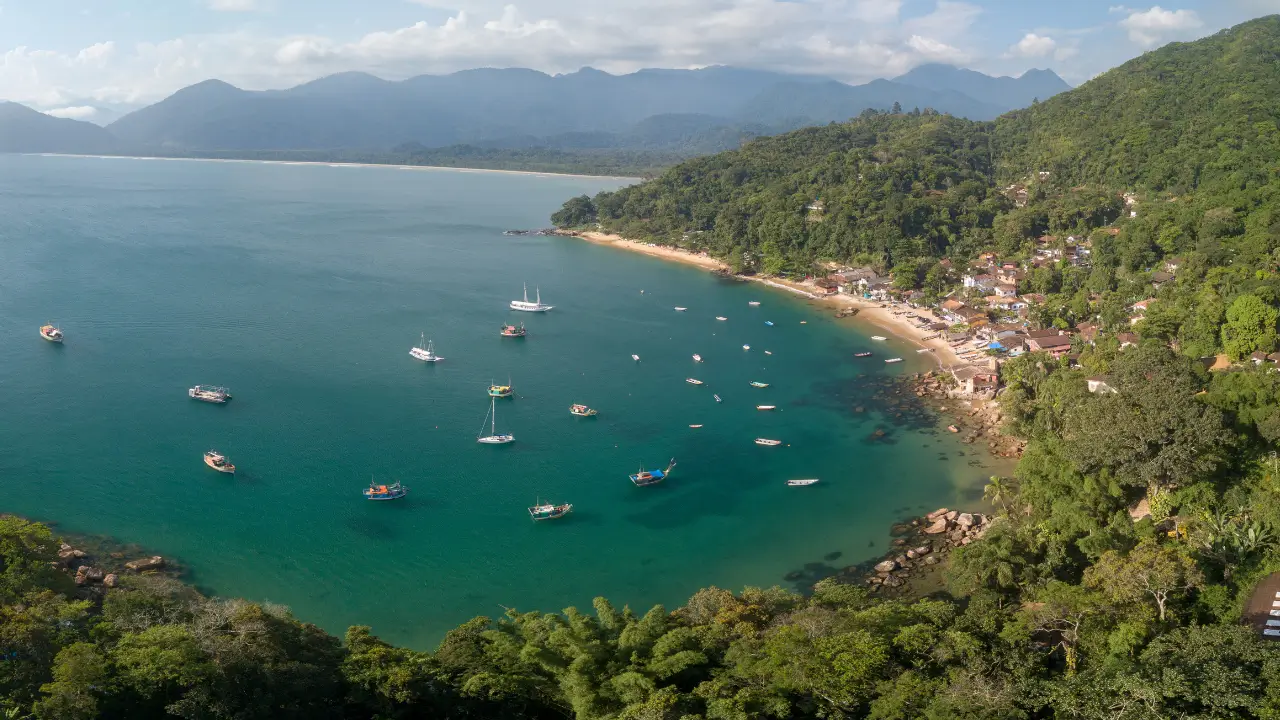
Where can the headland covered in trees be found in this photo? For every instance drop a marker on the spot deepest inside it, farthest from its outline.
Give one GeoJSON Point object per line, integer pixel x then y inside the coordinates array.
{"type": "Point", "coordinates": [1137, 215]}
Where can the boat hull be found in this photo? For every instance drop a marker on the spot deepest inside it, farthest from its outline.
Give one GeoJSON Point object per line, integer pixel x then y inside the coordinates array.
{"type": "Point", "coordinates": [801, 483]}
{"type": "Point", "coordinates": [51, 338]}
{"type": "Point", "coordinates": [496, 439]}
{"type": "Point", "coordinates": [226, 467]}
{"type": "Point", "coordinates": [420, 354]}
{"type": "Point", "coordinates": [529, 307]}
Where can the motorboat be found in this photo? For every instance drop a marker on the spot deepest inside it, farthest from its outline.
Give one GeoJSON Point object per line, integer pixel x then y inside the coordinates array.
{"type": "Point", "coordinates": [644, 478]}
{"type": "Point", "coordinates": [894, 360]}
{"type": "Point", "coordinates": [697, 357]}
{"type": "Point", "coordinates": [581, 410]}
{"type": "Point", "coordinates": [802, 483]}
{"type": "Point", "coordinates": [766, 407]}
{"type": "Point", "coordinates": [218, 461]}
{"type": "Point", "coordinates": [768, 442]}
{"type": "Point", "coordinates": [758, 384]}
{"type": "Point", "coordinates": [394, 491]}
{"type": "Point", "coordinates": [209, 394]}
{"type": "Point", "coordinates": [693, 381]}
{"type": "Point", "coordinates": [51, 333]}
{"type": "Point", "coordinates": [549, 511]}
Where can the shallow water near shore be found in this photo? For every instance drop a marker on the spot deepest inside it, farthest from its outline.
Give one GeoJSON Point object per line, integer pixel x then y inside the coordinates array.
{"type": "Point", "coordinates": [303, 288]}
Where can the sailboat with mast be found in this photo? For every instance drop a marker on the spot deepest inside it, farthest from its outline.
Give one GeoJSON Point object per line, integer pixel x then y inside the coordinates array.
{"type": "Point", "coordinates": [494, 438]}
{"type": "Point", "coordinates": [526, 306]}
{"type": "Point", "coordinates": [425, 351]}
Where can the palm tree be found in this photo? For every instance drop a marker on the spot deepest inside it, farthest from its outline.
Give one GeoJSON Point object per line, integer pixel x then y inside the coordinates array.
{"type": "Point", "coordinates": [998, 490]}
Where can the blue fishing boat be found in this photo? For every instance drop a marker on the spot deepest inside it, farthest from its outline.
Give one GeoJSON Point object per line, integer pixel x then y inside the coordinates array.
{"type": "Point", "coordinates": [644, 478]}
{"type": "Point", "coordinates": [549, 511]}
{"type": "Point", "coordinates": [394, 491]}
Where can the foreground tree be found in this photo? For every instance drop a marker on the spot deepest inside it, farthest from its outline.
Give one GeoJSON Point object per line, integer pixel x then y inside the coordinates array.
{"type": "Point", "coordinates": [1149, 570]}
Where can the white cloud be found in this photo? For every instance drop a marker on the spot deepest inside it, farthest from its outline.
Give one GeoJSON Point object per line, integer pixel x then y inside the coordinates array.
{"type": "Point", "coordinates": [1032, 46]}
{"type": "Point", "coordinates": [1151, 27]}
{"type": "Point", "coordinates": [233, 5]}
{"type": "Point", "coordinates": [75, 112]}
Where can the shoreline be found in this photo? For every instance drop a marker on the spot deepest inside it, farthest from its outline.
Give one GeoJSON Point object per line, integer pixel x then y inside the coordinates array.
{"type": "Point", "coordinates": [389, 166]}
{"type": "Point", "coordinates": [874, 313]}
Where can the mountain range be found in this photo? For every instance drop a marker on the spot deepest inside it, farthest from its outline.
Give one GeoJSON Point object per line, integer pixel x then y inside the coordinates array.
{"type": "Point", "coordinates": [687, 112]}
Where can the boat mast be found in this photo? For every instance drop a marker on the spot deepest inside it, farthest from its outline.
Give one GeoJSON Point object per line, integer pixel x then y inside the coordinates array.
{"type": "Point", "coordinates": [538, 290]}
{"type": "Point", "coordinates": [526, 292]}
{"type": "Point", "coordinates": [493, 413]}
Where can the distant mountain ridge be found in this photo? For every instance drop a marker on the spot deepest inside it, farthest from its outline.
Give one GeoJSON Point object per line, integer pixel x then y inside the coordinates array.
{"type": "Point", "coordinates": [682, 112]}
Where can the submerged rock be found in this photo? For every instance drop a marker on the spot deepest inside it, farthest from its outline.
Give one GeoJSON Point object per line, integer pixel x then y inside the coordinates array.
{"type": "Point", "coordinates": [154, 562]}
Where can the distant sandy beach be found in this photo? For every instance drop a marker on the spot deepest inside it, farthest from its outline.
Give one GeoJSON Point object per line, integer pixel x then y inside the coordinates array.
{"type": "Point", "coordinates": [870, 312]}
{"type": "Point", "coordinates": [339, 164]}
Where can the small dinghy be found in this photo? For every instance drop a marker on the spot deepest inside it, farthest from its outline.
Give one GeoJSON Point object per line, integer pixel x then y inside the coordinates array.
{"type": "Point", "coordinates": [754, 303]}
{"type": "Point", "coordinates": [717, 397]}
{"type": "Point", "coordinates": [680, 309]}
{"type": "Point", "coordinates": [878, 338]}
{"type": "Point", "coordinates": [766, 407]}
{"type": "Point", "coordinates": [636, 358]}
{"type": "Point", "coordinates": [746, 347]}
{"type": "Point", "coordinates": [769, 323]}
{"type": "Point", "coordinates": [768, 442]}
{"type": "Point", "coordinates": [768, 352]}
{"type": "Point", "coordinates": [893, 360]}
{"type": "Point", "coordinates": [719, 317]}
{"type": "Point", "coordinates": [697, 357]}
{"type": "Point", "coordinates": [695, 427]}
{"type": "Point", "coordinates": [801, 483]}
{"type": "Point", "coordinates": [693, 381]}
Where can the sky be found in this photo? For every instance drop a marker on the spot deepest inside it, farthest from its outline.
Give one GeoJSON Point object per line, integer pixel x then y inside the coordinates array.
{"type": "Point", "coordinates": [92, 59]}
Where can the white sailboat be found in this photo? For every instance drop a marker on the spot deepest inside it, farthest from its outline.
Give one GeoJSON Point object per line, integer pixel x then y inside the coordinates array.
{"type": "Point", "coordinates": [425, 351]}
{"type": "Point", "coordinates": [493, 438]}
{"type": "Point", "coordinates": [526, 306]}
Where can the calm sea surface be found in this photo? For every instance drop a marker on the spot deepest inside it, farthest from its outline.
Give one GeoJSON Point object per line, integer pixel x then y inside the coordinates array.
{"type": "Point", "coordinates": [303, 288]}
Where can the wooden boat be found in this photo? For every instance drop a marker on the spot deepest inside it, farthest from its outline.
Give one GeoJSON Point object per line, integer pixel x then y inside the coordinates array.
{"type": "Point", "coordinates": [862, 354]}
{"type": "Point", "coordinates": [581, 410]}
{"type": "Point", "coordinates": [893, 360]}
{"type": "Point", "coordinates": [51, 333]}
{"type": "Point", "coordinates": [758, 384]}
{"type": "Point", "coordinates": [394, 491]}
{"type": "Point", "coordinates": [644, 478]}
{"type": "Point", "coordinates": [209, 394]}
{"type": "Point", "coordinates": [693, 381]}
{"type": "Point", "coordinates": [494, 437]}
{"type": "Point", "coordinates": [719, 317]}
{"type": "Point", "coordinates": [501, 391]}
{"type": "Point", "coordinates": [513, 331]}
{"type": "Point", "coordinates": [768, 442]}
{"type": "Point", "coordinates": [549, 511]}
{"type": "Point", "coordinates": [766, 407]}
{"type": "Point", "coordinates": [218, 462]}
{"type": "Point", "coordinates": [697, 357]}
{"type": "Point", "coordinates": [878, 338]}
{"type": "Point", "coordinates": [802, 483]}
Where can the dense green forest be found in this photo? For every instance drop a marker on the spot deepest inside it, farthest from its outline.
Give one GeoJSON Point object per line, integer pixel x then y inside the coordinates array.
{"type": "Point", "coordinates": [1112, 584]}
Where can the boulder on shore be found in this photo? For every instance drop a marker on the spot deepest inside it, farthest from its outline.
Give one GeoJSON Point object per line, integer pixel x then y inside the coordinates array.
{"type": "Point", "coordinates": [965, 520]}
{"type": "Point", "coordinates": [887, 566]}
{"type": "Point", "coordinates": [936, 514]}
{"type": "Point", "coordinates": [111, 580]}
{"type": "Point", "coordinates": [938, 527]}
{"type": "Point", "coordinates": [922, 550]}
{"type": "Point", "coordinates": [152, 563]}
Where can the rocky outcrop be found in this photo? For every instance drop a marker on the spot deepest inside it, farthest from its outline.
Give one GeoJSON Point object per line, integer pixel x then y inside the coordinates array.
{"type": "Point", "coordinates": [887, 566]}
{"type": "Point", "coordinates": [943, 529]}
{"type": "Point", "coordinates": [154, 562]}
{"type": "Point", "coordinates": [86, 575]}
{"type": "Point", "coordinates": [111, 580]}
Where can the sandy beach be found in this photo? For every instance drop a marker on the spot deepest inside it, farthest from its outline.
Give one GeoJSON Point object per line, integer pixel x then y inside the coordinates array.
{"type": "Point", "coordinates": [869, 312]}
{"type": "Point", "coordinates": [337, 164]}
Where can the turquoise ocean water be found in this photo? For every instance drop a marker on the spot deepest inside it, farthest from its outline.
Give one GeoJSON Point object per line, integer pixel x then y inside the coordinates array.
{"type": "Point", "coordinates": [303, 288]}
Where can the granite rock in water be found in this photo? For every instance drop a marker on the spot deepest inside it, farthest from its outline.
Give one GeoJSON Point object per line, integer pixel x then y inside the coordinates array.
{"type": "Point", "coordinates": [965, 520]}
{"type": "Point", "coordinates": [887, 566]}
{"type": "Point", "coordinates": [152, 563]}
{"type": "Point", "coordinates": [938, 527]}
{"type": "Point", "coordinates": [922, 550]}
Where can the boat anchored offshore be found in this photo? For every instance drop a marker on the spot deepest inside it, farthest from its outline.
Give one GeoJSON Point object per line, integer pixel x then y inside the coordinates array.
{"type": "Point", "coordinates": [862, 354]}
{"type": "Point", "coordinates": [218, 462]}
{"type": "Point", "coordinates": [394, 491]}
{"type": "Point", "coordinates": [693, 381]}
{"type": "Point", "coordinates": [719, 317]}
{"type": "Point", "coordinates": [768, 442]}
{"type": "Point", "coordinates": [425, 351]}
{"type": "Point", "coordinates": [758, 384]}
{"type": "Point", "coordinates": [717, 397]}
{"type": "Point", "coordinates": [501, 391]}
{"type": "Point", "coordinates": [746, 347]}
{"type": "Point", "coordinates": [754, 303]}
{"type": "Point", "coordinates": [680, 309]}
{"type": "Point", "coordinates": [802, 483]}
{"type": "Point", "coordinates": [549, 511]}
{"type": "Point", "coordinates": [893, 360]}
{"type": "Point", "coordinates": [526, 306]}
{"type": "Point", "coordinates": [695, 427]}
{"type": "Point", "coordinates": [697, 357]}
{"type": "Point", "coordinates": [766, 407]}
{"type": "Point", "coordinates": [209, 394]}
{"type": "Point", "coordinates": [581, 410]}
{"type": "Point", "coordinates": [878, 338]}
{"type": "Point", "coordinates": [769, 323]}
{"type": "Point", "coordinates": [644, 478]}
{"type": "Point", "coordinates": [636, 358]}
{"type": "Point", "coordinates": [513, 330]}
{"type": "Point", "coordinates": [51, 333]}
{"type": "Point", "coordinates": [494, 438]}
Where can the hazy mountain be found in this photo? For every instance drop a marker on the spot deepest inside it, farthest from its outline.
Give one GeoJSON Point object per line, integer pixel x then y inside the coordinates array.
{"type": "Point", "coordinates": [1006, 93]}
{"type": "Point", "coordinates": [25, 130]}
{"type": "Point", "coordinates": [693, 110]}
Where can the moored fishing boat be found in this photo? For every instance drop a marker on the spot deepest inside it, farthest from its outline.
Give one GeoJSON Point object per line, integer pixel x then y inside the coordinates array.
{"type": "Point", "coordinates": [758, 384]}
{"type": "Point", "coordinates": [766, 407]}
{"type": "Point", "coordinates": [209, 394]}
{"type": "Point", "coordinates": [697, 357]}
{"type": "Point", "coordinates": [526, 306]}
{"type": "Point", "coordinates": [549, 511]}
{"type": "Point", "coordinates": [424, 351]}
{"type": "Point", "coordinates": [894, 360]}
{"type": "Point", "coordinates": [513, 330]}
{"type": "Point", "coordinates": [494, 437]}
{"type": "Point", "coordinates": [644, 478]}
{"type": "Point", "coordinates": [501, 391]}
{"type": "Point", "coordinates": [218, 461]}
{"type": "Point", "coordinates": [51, 332]}
{"type": "Point", "coordinates": [394, 491]}
{"type": "Point", "coordinates": [581, 410]}
{"type": "Point", "coordinates": [878, 338]}
{"type": "Point", "coordinates": [862, 354]}
{"type": "Point", "coordinates": [693, 381]}
{"type": "Point", "coordinates": [802, 483]}
{"type": "Point", "coordinates": [768, 442]}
